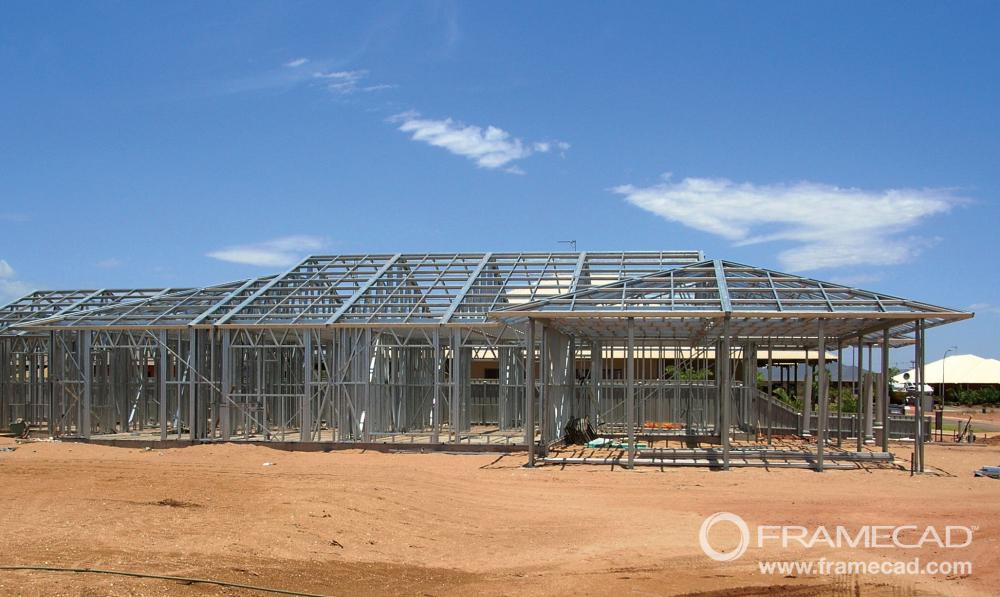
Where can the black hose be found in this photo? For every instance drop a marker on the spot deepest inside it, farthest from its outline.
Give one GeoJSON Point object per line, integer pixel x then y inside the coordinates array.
{"type": "Point", "coordinates": [183, 579]}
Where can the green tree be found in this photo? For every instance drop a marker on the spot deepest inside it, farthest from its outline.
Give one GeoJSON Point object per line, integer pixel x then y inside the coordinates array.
{"type": "Point", "coordinates": [687, 373]}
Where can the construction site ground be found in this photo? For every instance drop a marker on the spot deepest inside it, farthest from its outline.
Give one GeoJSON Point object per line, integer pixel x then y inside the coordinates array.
{"type": "Point", "coordinates": [366, 523]}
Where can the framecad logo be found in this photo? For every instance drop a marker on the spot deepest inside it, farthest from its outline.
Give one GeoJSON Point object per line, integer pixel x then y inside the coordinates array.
{"type": "Point", "coordinates": [711, 521]}
{"type": "Point", "coordinates": [907, 536]}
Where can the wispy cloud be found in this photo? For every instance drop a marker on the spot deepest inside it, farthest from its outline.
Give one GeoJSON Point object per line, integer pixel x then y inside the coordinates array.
{"type": "Point", "coordinates": [11, 287]}
{"type": "Point", "coordinates": [984, 308]}
{"type": "Point", "coordinates": [490, 147]}
{"type": "Point", "coordinates": [14, 217]}
{"type": "Point", "coordinates": [856, 280]}
{"type": "Point", "coordinates": [346, 82]}
{"type": "Point", "coordinates": [301, 72]}
{"type": "Point", "coordinates": [830, 226]}
{"type": "Point", "coordinates": [110, 263]}
{"type": "Point", "coordinates": [278, 252]}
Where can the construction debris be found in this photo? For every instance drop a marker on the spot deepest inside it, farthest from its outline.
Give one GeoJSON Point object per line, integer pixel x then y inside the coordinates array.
{"type": "Point", "coordinates": [579, 431]}
{"type": "Point", "coordinates": [993, 472]}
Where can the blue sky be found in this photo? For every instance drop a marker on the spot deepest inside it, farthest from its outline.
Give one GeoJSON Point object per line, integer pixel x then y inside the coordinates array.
{"type": "Point", "coordinates": [152, 144]}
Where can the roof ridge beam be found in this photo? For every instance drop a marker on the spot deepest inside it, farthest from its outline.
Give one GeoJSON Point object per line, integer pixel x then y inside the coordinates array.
{"type": "Point", "coordinates": [262, 290]}
{"type": "Point", "coordinates": [469, 283]}
{"type": "Point", "coordinates": [222, 301]}
{"type": "Point", "coordinates": [73, 305]}
{"type": "Point", "coordinates": [722, 286]}
{"type": "Point", "coordinates": [361, 291]}
{"type": "Point", "coordinates": [581, 262]}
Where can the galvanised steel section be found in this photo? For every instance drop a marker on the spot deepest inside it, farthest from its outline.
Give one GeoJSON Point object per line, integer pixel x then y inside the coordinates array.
{"type": "Point", "coordinates": [442, 348]}
{"type": "Point", "coordinates": [28, 359]}
{"type": "Point", "coordinates": [43, 304]}
{"type": "Point", "coordinates": [379, 289]}
{"type": "Point", "coordinates": [167, 309]}
{"type": "Point", "coordinates": [759, 302]}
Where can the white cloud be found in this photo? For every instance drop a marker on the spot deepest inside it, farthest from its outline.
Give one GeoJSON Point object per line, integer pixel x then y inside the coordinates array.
{"type": "Point", "coordinates": [830, 226]}
{"type": "Point", "coordinates": [489, 147]}
{"type": "Point", "coordinates": [296, 62]}
{"type": "Point", "coordinates": [278, 252]}
{"type": "Point", "coordinates": [10, 287]}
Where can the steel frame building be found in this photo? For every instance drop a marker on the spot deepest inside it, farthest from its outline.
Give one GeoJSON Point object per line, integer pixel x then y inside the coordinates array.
{"type": "Point", "coordinates": [364, 349]}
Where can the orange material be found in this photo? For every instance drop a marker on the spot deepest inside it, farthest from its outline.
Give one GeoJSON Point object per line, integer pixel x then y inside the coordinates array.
{"type": "Point", "coordinates": [661, 425]}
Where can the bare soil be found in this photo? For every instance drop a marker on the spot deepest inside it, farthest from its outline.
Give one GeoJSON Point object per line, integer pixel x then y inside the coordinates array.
{"type": "Point", "coordinates": [352, 523]}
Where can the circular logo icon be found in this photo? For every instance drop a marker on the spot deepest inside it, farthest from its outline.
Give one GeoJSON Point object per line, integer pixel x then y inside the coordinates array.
{"type": "Point", "coordinates": [711, 521]}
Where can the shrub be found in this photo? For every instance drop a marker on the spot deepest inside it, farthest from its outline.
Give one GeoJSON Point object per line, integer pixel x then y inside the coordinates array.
{"type": "Point", "coordinates": [782, 395]}
{"type": "Point", "coordinates": [987, 395]}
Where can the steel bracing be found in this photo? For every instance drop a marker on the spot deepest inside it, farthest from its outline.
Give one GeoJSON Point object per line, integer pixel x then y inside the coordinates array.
{"type": "Point", "coordinates": [43, 304]}
{"type": "Point", "coordinates": [481, 349]}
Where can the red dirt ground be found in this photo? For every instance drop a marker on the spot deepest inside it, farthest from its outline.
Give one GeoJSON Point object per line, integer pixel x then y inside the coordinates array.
{"type": "Point", "coordinates": [447, 524]}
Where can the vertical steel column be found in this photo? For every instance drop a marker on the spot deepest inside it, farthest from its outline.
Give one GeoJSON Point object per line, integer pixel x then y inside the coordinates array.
{"type": "Point", "coordinates": [807, 400]}
{"type": "Point", "coordinates": [225, 403]}
{"type": "Point", "coordinates": [824, 398]}
{"type": "Point", "coordinates": [840, 391]}
{"type": "Point", "coordinates": [919, 465]}
{"type": "Point", "coordinates": [5, 384]}
{"type": "Point", "coordinates": [593, 406]}
{"type": "Point", "coordinates": [859, 431]}
{"type": "Point", "coordinates": [87, 371]}
{"type": "Point", "coordinates": [689, 403]}
{"type": "Point", "coordinates": [529, 391]}
{"type": "Point", "coordinates": [306, 411]}
{"type": "Point", "coordinates": [456, 384]}
{"type": "Point", "coordinates": [770, 396]}
{"type": "Point", "coordinates": [877, 395]}
{"type": "Point", "coordinates": [725, 391]}
{"type": "Point", "coordinates": [192, 384]}
{"type": "Point", "coordinates": [366, 372]}
{"type": "Point", "coordinates": [884, 390]}
{"type": "Point", "coordinates": [332, 372]}
{"type": "Point", "coordinates": [209, 416]}
{"type": "Point", "coordinates": [751, 418]}
{"type": "Point", "coordinates": [436, 402]}
{"type": "Point", "coordinates": [544, 363]}
{"type": "Point", "coordinates": [869, 407]}
{"type": "Point", "coordinates": [574, 408]}
{"type": "Point", "coordinates": [161, 380]}
{"type": "Point", "coordinates": [49, 381]}
{"type": "Point", "coordinates": [630, 391]}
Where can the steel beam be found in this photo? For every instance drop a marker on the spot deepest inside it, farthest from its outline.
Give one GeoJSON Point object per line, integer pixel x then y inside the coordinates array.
{"type": "Point", "coordinates": [529, 390]}
{"type": "Point", "coordinates": [919, 357]}
{"type": "Point", "coordinates": [725, 392]}
{"type": "Point", "coordinates": [87, 369]}
{"type": "Point", "coordinates": [824, 399]}
{"type": "Point", "coordinates": [469, 283]}
{"type": "Point", "coordinates": [305, 403]}
{"type": "Point", "coordinates": [884, 390]}
{"type": "Point", "coordinates": [364, 288]}
{"type": "Point", "coordinates": [225, 404]}
{"type": "Point", "coordinates": [630, 392]}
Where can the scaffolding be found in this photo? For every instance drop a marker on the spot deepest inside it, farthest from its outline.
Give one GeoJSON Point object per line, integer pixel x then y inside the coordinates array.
{"type": "Point", "coordinates": [478, 350]}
